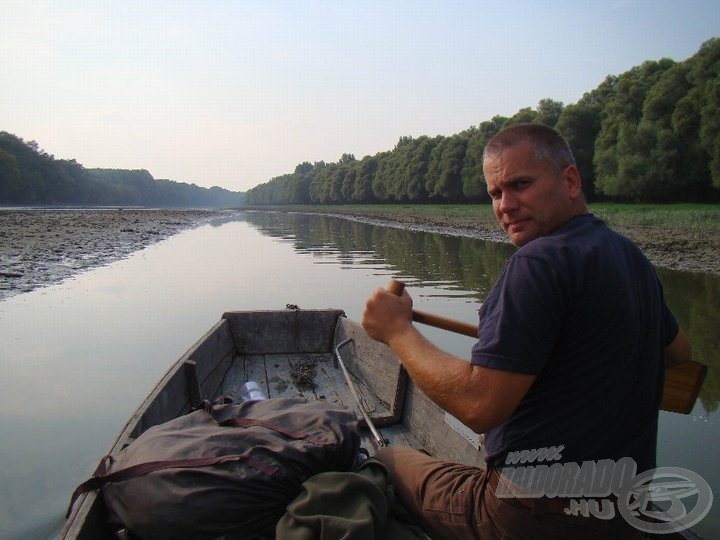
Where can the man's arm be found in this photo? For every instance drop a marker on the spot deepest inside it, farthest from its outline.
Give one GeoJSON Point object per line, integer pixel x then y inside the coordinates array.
{"type": "Point", "coordinates": [679, 350]}
{"type": "Point", "coordinates": [480, 397]}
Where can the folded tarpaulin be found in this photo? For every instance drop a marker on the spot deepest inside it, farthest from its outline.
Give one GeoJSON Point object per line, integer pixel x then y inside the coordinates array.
{"type": "Point", "coordinates": [358, 505]}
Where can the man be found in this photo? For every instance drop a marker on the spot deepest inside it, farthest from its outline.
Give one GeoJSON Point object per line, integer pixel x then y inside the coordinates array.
{"type": "Point", "coordinates": [570, 357]}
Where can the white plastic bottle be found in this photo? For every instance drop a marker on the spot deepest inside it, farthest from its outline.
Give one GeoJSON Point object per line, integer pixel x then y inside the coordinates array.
{"type": "Point", "coordinates": [251, 391]}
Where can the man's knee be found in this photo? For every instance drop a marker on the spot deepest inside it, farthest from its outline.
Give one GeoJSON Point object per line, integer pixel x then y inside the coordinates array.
{"type": "Point", "coordinates": [404, 460]}
{"type": "Point", "coordinates": [407, 469]}
{"type": "Point", "coordinates": [399, 454]}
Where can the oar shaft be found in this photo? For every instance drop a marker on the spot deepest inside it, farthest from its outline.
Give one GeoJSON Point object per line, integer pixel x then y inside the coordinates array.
{"type": "Point", "coordinates": [430, 319]}
{"type": "Point", "coordinates": [459, 327]}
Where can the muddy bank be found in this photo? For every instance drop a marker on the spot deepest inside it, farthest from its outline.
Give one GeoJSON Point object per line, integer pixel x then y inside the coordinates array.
{"type": "Point", "coordinates": [663, 246]}
{"type": "Point", "coordinates": [677, 250]}
{"type": "Point", "coordinates": [42, 247]}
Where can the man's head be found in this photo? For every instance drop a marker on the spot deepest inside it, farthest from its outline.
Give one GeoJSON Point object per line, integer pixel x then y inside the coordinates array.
{"type": "Point", "coordinates": [533, 181]}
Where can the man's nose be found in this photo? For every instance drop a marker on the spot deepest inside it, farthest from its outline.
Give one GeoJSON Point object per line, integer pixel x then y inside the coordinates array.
{"type": "Point", "coordinates": [508, 202]}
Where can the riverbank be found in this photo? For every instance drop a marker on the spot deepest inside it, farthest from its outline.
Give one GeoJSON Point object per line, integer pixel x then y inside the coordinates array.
{"type": "Point", "coordinates": [678, 237]}
{"type": "Point", "coordinates": [39, 247]}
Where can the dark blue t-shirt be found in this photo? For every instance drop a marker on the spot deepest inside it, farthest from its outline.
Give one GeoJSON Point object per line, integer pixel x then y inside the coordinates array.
{"type": "Point", "coordinates": [582, 309]}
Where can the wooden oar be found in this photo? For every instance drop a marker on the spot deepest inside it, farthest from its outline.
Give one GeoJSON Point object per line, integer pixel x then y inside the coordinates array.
{"type": "Point", "coordinates": [682, 381]}
{"type": "Point", "coordinates": [682, 386]}
{"type": "Point", "coordinates": [397, 287]}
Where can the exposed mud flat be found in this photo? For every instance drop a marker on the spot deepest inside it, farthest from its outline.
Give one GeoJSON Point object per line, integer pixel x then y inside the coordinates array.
{"type": "Point", "coordinates": [677, 250]}
{"type": "Point", "coordinates": [43, 247]}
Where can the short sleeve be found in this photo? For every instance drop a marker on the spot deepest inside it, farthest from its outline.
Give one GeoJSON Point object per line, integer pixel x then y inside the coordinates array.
{"type": "Point", "coordinates": [521, 317]}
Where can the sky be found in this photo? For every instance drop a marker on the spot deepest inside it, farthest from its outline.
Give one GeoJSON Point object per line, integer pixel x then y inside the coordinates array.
{"type": "Point", "coordinates": [233, 93]}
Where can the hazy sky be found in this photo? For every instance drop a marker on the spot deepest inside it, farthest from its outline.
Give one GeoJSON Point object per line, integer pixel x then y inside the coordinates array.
{"type": "Point", "coordinates": [233, 93]}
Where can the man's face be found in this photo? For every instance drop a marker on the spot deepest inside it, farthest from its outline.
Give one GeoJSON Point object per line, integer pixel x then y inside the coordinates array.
{"type": "Point", "coordinates": [530, 198]}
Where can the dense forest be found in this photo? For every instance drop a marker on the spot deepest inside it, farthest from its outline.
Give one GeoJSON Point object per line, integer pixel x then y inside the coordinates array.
{"type": "Point", "coordinates": [30, 176]}
{"type": "Point", "coordinates": [651, 134]}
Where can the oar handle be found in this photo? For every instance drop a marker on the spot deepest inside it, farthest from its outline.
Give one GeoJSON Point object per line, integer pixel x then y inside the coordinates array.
{"type": "Point", "coordinates": [397, 287]}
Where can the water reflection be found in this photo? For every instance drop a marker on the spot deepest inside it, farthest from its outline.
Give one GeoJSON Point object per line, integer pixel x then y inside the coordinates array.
{"type": "Point", "coordinates": [695, 299]}
{"type": "Point", "coordinates": [451, 262]}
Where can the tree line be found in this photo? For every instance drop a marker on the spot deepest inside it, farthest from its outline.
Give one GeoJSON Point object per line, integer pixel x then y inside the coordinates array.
{"type": "Point", "coordinates": [30, 176]}
{"type": "Point", "coordinates": [651, 134]}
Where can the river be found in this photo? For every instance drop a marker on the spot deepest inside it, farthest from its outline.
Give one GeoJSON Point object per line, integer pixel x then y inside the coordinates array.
{"type": "Point", "coordinates": [78, 357]}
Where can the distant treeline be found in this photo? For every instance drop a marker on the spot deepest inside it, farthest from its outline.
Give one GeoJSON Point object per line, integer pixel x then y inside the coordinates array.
{"type": "Point", "coordinates": [651, 134]}
{"type": "Point", "coordinates": [30, 176]}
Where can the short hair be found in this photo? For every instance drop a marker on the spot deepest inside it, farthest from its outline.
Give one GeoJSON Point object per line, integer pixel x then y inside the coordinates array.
{"type": "Point", "coordinates": [549, 145]}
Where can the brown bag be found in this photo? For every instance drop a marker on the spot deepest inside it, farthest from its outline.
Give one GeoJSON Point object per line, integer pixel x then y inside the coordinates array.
{"type": "Point", "coordinates": [225, 471]}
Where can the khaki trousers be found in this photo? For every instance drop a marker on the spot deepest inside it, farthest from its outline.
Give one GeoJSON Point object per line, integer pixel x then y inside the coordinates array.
{"type": "Point", "coordinates": [453, 501]}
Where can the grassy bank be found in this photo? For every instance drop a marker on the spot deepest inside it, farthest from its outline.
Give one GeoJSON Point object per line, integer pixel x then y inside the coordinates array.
{"type": "Point", "coordinates": [690, 218]}
{"type": "Point", "coordinates": [701, 218]}
{"type": "Point", "coordinates": [424, 213]}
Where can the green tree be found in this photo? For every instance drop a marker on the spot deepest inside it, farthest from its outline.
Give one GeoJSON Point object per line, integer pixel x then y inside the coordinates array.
{"type": "Point", "coordinates": [10, 185]}
{"type": "Point", "coordinates": [347, 188]}
{"type": "Point", "coordinates": [580, 124]}
{"type": "Point", "coordinates": [525, 115]}
{"type": "Point", "coordinates": [347, 159]}
{"type": "Point", "coordinates": [363, 192]}
{"type": "Point", "coordinates": [382, 173]}
{"type": "Point", "coordinates": [392, 172]}
{"type": "Point", "coordinates": [417, 161]}
{"type": "Point", "coordinates": [661, 168]}
{"type": "Point", "coordinates": [474, 187]}
{"type": "Point", "coordinates": [705, 77]}
{"type": "Point", "coordinates": [299, 184]}
{"type": "Point", "coordinates": [548, 112]}
{"type": "Point", "coordinates": [617, 147]}
{"type": "Point", "coordinates": [434, 172]}
{"type": "Point", "coordinates": [448, 165]}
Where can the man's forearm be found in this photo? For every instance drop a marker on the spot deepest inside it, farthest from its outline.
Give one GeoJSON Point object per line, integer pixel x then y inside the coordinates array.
{"type": "Point", "coordinates": [679, 349]}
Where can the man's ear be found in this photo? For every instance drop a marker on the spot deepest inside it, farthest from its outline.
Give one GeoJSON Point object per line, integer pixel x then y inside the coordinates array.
{"type": "Point", "coordinates": [571, 177]}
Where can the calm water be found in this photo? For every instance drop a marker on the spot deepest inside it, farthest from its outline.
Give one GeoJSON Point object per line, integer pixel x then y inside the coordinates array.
{"type": "Point", "coordinates": [76, 358]}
